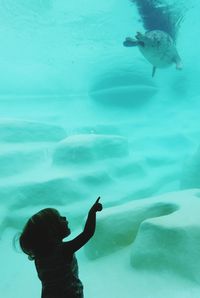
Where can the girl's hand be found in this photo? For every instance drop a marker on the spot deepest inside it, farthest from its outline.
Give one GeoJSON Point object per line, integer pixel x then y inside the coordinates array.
{"type": "Point", "coordinates": [97, 206]}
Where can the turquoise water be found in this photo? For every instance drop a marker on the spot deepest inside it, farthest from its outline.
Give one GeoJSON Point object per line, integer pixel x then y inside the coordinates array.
{"type": "Point", "coordinates": [64, 64]}
{"type": "Point", "coordinates": [81, 116]}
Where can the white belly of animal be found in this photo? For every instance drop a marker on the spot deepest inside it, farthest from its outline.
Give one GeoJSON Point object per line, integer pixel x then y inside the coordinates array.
{"type": "Point", "coordinates": [158, 58]}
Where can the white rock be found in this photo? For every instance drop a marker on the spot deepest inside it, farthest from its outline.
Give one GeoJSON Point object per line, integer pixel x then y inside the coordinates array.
{"type": "Point", "coordinates": [89, 147]}
{"type": "Point", "coordinates": [26, 131]}
{"type": "Point", "coordinates": [164, 233]}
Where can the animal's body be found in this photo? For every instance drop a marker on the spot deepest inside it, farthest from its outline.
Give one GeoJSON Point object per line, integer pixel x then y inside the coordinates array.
{"type": "Point", "coordinates": [157, 47]}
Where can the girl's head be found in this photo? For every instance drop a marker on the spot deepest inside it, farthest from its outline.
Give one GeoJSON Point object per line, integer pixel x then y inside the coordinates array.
{"type": "Point", "coordinates": [42, 232]}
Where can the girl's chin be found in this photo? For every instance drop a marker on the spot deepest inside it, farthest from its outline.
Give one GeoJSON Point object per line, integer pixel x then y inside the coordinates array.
{"type": "Point", "coordinates": [68, 232]}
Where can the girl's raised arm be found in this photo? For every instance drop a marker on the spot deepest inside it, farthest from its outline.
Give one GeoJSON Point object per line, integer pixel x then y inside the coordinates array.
{"type": "Point", "coordinates": [88, 230]}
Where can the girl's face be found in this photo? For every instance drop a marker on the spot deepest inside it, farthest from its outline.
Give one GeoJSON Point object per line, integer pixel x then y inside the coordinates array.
{"type": "Point", "coordinates": [64, 226]}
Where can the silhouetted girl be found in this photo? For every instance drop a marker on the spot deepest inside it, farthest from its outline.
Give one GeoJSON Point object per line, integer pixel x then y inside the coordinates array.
{"type": "Point", "coordinates": [55, 260]}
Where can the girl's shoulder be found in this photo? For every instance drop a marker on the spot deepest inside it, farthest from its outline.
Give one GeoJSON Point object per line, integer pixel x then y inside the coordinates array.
{"type": "Point", "coordinates": [58, 255]}
{"type": "Point", "coordinates": [67, 251]}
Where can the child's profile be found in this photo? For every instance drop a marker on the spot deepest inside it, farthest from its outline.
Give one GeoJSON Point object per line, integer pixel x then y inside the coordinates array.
{"type": "Point", "coordinates": [55, 260]}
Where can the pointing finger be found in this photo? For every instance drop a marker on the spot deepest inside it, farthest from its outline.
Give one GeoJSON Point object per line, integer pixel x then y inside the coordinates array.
{"type": "Point", "coordinates": [97, 201]}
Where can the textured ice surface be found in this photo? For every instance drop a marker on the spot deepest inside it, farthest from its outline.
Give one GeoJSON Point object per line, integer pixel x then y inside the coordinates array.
{"type": "Point", "coordinates": [162, 236]}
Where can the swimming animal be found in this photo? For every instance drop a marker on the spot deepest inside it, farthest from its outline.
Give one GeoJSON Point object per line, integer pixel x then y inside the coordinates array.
{"type": "Point", "coordinates": [157, 47]}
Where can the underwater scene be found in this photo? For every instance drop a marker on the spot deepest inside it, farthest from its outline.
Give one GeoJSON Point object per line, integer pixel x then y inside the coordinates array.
{"type": "Point", "coordinates": [100, 99]}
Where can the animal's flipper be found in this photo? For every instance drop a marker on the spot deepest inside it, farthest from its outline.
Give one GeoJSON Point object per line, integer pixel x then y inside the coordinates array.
{"type": "Point", "coordinates": [179, 65]}
{"type": "Point", "coordinates": [178, 62]}
{"type": "Point", "coordinates": [153, 71]}
{"type": "Point", "coordinates": [130, 42]}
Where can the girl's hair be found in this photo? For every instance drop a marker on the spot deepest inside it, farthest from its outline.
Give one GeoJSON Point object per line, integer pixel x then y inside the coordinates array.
{"type": "Point", "coordinates": [41, 233]}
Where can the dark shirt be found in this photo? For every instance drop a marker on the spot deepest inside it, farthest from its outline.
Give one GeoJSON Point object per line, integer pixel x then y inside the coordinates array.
{"type": "Point", "coordinates": [58, 273]}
